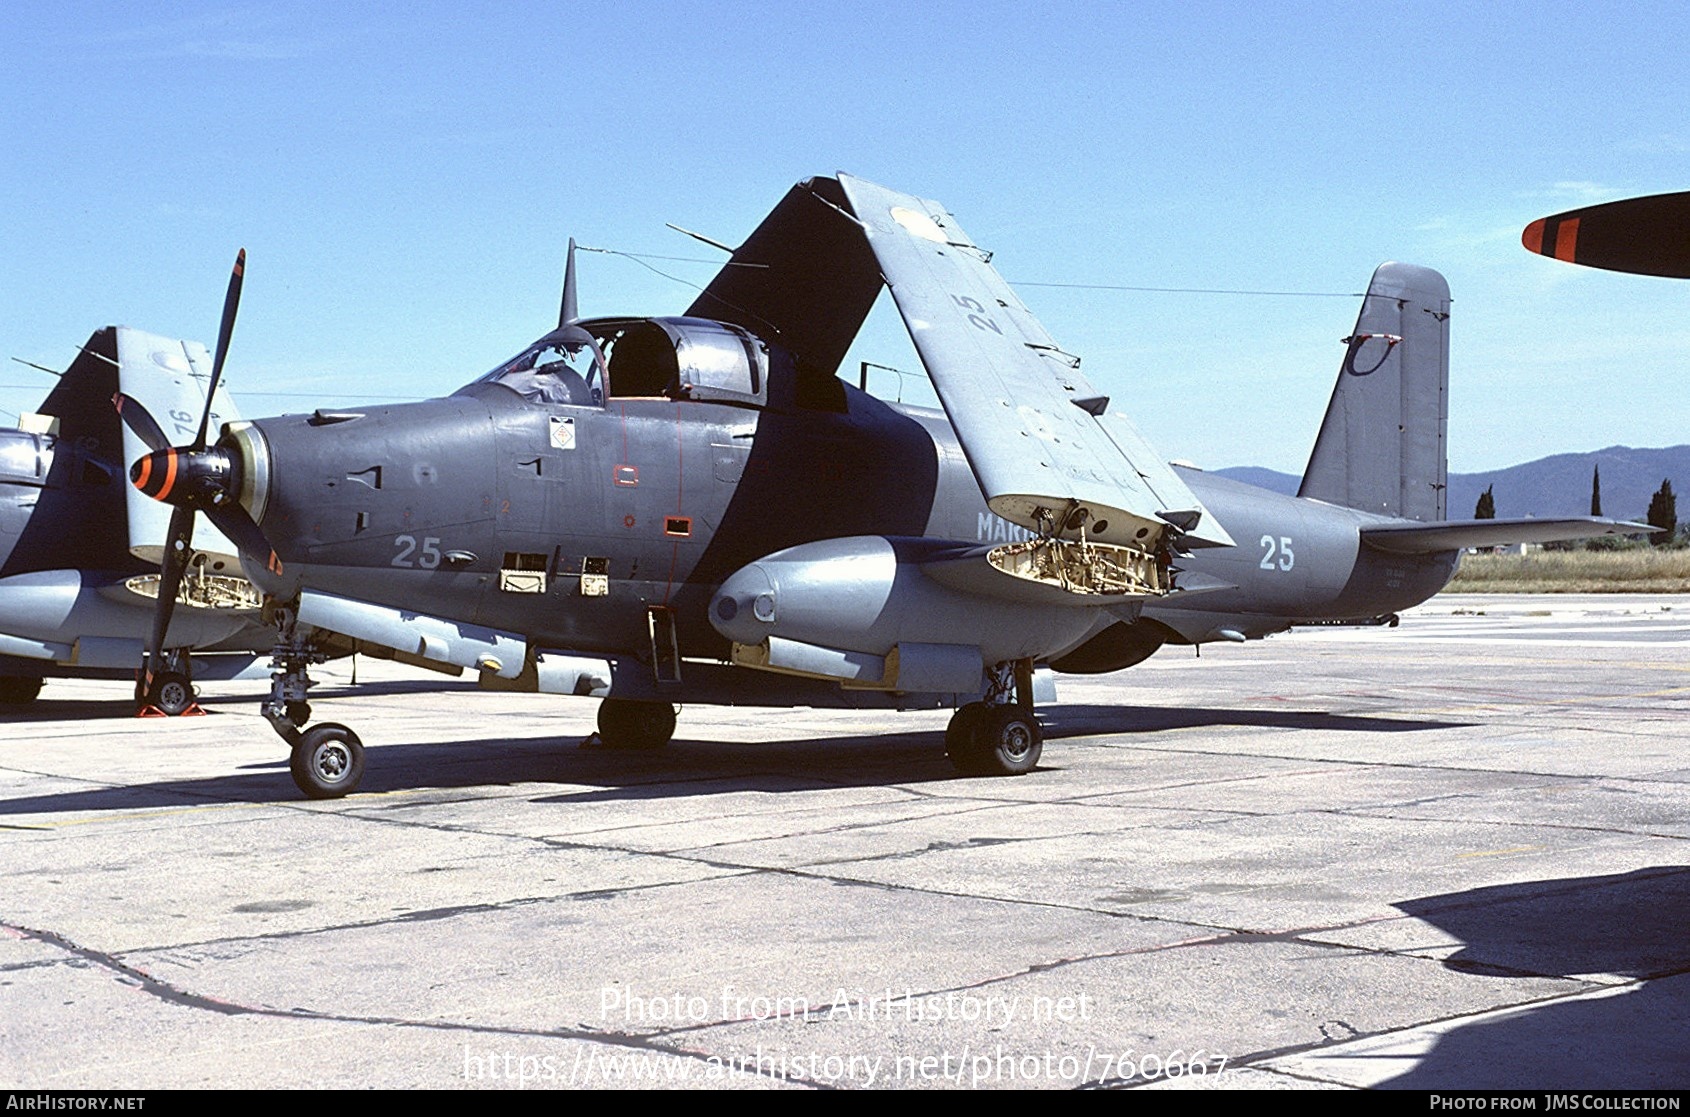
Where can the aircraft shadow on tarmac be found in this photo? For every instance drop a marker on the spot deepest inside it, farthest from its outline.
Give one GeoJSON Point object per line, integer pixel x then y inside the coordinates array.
{"type": "Point", "coordinates": [686, 767]}
{"type": "Point", "coordinates": [117, 710]}
{"type": "Point", "coordinates": [1074, 720]}
{"type": "Point", "coordinates": [1629, 924]}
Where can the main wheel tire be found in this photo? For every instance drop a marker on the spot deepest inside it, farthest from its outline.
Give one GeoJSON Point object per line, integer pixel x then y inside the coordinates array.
{"type": "Point", "coordinates": [172, 693]}
{"type": "Point", "coordinates": [1006, 742]}
{"type": "Point", "coordinates": [626, 723]}
{"type": "Point", "coordinates": [960, 734]}
{"type": "Point", "coordinates": [15, 690]}
{"type": "Point", "coordinates": [328, 761]}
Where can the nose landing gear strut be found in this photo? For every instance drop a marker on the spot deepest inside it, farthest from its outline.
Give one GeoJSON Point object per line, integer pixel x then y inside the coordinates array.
{"type": "Point", "coordinates": [327, 760]}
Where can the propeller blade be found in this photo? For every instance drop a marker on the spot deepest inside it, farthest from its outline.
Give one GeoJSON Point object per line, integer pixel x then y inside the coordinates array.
{"type": "Point", "coordinates": [231, 304]}
{"type": "Point", "coordinates": [1644, 236]}
{"type": "Point", "coordinates": [139, 420]}
{"type": "Point", "coordinates": [233, 521]}
{"type": "Point", "coordinates": [178, 549]}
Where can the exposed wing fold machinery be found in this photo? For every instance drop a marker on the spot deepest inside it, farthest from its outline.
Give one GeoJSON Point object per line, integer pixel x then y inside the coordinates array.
{"type": "Point", "coordinates": [1048, 452]}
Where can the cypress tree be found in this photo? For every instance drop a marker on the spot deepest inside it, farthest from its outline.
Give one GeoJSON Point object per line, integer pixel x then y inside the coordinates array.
{"type": "Point", "coordinates": [1596, 491]}
{"type": "Point", "coordinates": [1663, 513]}
{"type": "Point", "coordinates": [1486, 508]}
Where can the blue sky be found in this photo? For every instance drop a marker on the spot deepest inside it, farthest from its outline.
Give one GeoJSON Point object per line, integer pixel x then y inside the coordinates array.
{"type": "Point", "coordinates": [404, 177]}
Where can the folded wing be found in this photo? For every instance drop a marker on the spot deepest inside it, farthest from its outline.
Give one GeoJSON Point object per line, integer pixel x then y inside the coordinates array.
{"type": "Point", "coordinates": [1046, 449]}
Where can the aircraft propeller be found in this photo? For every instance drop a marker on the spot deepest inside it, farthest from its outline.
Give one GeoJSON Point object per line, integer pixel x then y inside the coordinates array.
{"type": "Point", "coordinates": [192, 478]}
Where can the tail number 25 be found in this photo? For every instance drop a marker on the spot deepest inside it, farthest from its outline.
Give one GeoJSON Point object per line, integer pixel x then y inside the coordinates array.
{"type": "Point", "coordinates": [1277, 554]}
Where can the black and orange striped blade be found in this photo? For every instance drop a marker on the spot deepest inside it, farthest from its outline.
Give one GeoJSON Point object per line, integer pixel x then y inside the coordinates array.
{"type": "Point", "coordinates": [179, 548]}
{"type": "Point", "coordinates": [136, 417]}
{"type": "Point", "coordinates": [225, 330]}
{"type": "Point", "coordinates": [1645, 236]}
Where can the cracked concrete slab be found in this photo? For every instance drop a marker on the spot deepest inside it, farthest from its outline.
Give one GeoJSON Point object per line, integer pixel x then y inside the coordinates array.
{"type": "Point", "coordinates": [1451, 854]}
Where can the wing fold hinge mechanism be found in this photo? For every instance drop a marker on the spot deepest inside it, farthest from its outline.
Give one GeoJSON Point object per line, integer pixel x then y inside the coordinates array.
{"type": "Point", "coordinates": [1080, 567]}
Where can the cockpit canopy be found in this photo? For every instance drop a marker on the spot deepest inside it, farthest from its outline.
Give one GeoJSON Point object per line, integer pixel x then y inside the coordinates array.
{"type": "Point", "coordinates": [679, 358]}
{"type": "Point", "coordinates": [566, 366]}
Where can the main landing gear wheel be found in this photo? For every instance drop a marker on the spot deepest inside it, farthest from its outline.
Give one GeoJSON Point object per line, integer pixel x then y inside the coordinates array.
{"type": "Point", "coordinates": [626, 723]}
{"type": "Point", "coordinates": [995, 741]}
{"type": "Point", "coordinates": [171, 693]}
{"type": "Point", "coordinates": [328, 761]}
{"type": "Point", "coordinates": [960, 733]}
{"type": "Point", "coordinates": [15, 690]}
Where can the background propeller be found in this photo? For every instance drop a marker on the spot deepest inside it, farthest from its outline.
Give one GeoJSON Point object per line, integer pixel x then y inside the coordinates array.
{"type": "Point", "coordinates": [192, 479]}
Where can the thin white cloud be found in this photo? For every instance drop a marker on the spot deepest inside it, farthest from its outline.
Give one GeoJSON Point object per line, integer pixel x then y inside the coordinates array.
{"type": "Point", "coordinates": [1575, 191]}
{"type": "Point", "coordinates": [243, 51]}
{"type": "Point", "coordinates": [233, 34]}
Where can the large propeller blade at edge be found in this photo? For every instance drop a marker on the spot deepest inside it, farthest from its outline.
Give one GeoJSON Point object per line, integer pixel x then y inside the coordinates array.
{"type": "Point", "coordinates": [178, 549]}
{"type": "Point", "coordinates": [178, 544]}
{"type": "Point", "coordinates": [138, 419]}
{"type": "Point", "coordinates": [225, 329]}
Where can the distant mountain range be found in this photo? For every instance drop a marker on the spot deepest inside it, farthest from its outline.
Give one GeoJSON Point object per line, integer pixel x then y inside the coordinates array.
{"type": "Point", "coordinates": [1554, 486]}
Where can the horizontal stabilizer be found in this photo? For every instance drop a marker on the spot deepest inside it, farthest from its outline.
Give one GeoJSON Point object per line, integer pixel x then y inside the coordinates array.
{"type": "Point", "coordinates": [1455, 535]}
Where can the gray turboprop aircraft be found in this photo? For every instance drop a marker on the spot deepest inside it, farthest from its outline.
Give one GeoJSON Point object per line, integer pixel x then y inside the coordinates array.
{"type": "Point", "coordinates": [697, 509]}
{"type": "Point", "coordinates": [79, 549]}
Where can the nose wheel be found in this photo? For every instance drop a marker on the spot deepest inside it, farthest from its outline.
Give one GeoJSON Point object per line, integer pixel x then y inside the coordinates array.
{"type": "Point", "coordinates": [327, 761]}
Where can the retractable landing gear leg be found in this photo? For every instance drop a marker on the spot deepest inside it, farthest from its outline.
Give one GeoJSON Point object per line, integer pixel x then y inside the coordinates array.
{"type": "Point", "coordinates": [998, 737]}
{"type": "Point", "coordinates": [327, 760]}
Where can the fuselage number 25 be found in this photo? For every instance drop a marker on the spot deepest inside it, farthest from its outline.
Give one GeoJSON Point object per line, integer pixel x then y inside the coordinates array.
{"type": "Point", "coordinates": [1277, 554]}
{"type": "Point", "coordinates": [408, 555]}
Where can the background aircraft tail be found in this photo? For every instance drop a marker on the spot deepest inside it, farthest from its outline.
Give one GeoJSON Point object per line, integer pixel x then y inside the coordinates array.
{"type": "Point", "coordinates": [1382, 445]}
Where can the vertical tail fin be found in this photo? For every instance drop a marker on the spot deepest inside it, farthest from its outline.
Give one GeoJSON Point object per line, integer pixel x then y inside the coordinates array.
{"type": "Point", "coordinates": [1382, 445]}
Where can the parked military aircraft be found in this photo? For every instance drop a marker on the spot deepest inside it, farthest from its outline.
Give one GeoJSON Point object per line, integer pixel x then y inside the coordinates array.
{"type": "Point", "coordinates": [696, 508]}
{"type": "Point", "coordinates": [79, 548]}
{"type": "Point", "coordinates": [1645, 236]}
